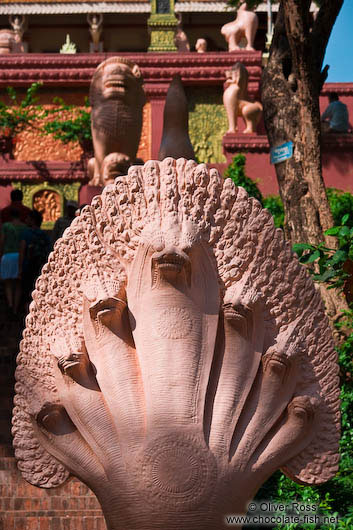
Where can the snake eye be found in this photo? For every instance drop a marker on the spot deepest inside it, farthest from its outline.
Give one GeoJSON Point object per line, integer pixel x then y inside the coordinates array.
{"type": "Point", "coordinates": [302, 409]}
{"type": "Point", "coordinates": [107, 312]}
{"type": "Point", "coordinates": [238, 316]}
{"type": "Point", "coordinates": [106, 306]}
{"type": "Point", "coordinates": [275, 365]}
{"type": "Point", "coordinates": [110, 314]}
{"type": "Point", "coordinates": [54, 419]}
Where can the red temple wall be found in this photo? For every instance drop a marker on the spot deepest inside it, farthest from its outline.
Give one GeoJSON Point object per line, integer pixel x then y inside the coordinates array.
{"type": "Point", "coordinates": [69, 76]}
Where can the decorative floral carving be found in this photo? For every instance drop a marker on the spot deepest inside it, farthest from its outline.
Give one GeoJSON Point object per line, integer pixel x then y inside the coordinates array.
{"type": "Point", "coordinates": [48, 198]}
{"type": "Point", "coordinates": [48, 203]}
{"type": "Point", "coordinates": [207, 123]}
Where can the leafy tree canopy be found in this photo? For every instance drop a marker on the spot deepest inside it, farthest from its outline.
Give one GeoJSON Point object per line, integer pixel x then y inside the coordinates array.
{"type": "Point", "coordinates": [252, 4]}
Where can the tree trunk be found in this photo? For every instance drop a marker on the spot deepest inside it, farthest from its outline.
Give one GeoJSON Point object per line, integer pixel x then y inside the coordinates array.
{"type": "Point", "coordinates": [291, 86]}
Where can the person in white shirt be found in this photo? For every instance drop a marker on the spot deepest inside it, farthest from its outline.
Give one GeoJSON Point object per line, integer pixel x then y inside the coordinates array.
{"type": "Point", "coordinates": [335, 117]}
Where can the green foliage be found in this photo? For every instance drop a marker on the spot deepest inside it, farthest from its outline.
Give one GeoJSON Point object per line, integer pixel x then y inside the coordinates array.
{"type": "Point", "coordinates": [274, 204]}
{"type": "Point", "coordinates": [70, 123]}
{"type": "Point", "coordinates": [20, 114]}
{"type": "Point", "coordinates": [236, 171]}
{"type": "Point", "coordinates": [330, 262]}
{"type": "Point", "coordinates": [252, 4]}
{"type": "Point", "coordinates": [341, 203]}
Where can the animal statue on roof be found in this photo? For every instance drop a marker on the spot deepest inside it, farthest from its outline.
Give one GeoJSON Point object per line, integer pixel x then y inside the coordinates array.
{"type": "Point", "coordinates": [243, 28]}
{"type": "Point", "coordinates": [117, 99]}
{"type": "Point", "coordinates": [175, 355]}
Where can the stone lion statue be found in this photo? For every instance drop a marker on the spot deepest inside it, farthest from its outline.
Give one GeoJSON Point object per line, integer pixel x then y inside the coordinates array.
{"type": "Point", "coordinates": [243, 27]}
{"type": "Point", "coordinates": [235, 102]}
{"type": "Point", "coordinates": [175, 355]}
{"type": "Point", "coordinates": [117, 99]}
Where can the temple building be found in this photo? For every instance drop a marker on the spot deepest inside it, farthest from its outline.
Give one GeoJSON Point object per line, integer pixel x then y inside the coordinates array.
{"type": "Point", "coordinates": [60, 43]}
{"type": "Point", "coordinates": [123, 24]}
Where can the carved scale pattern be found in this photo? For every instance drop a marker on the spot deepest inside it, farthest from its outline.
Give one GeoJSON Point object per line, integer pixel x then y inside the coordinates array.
{"type": "Point", "coordinates": [252, 259]}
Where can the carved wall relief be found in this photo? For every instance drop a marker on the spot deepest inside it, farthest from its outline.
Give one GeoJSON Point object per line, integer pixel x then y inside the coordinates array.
{"type": "Point", "coordinates": [48, 203]}
{"type": "Point", "coordinates": [175, 355]}
{"type": "Point", "coordinates": [48, 198]}
{"type": "Point", "coordinates": [207, 123]}
{"type": "Point", "coordinates": [162, 26]}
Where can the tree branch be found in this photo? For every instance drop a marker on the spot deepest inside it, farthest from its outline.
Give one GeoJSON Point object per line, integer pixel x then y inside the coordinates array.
{"type": "Point", "coordinates": [322, 28]}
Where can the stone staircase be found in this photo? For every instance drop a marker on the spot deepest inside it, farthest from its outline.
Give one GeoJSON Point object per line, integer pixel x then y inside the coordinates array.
{"type": "Point", "coordinates": [72, 506]}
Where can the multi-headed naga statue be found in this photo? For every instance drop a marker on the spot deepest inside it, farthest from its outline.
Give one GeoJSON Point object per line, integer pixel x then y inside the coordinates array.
{"type": "Point", "coordinates": [176, 354]}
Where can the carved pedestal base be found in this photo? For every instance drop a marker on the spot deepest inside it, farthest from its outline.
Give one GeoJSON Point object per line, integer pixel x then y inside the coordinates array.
{"type": "Point", "coordinates": [243, 143]}
{"type": "Point", "coordinates": [96, 48]}
{"type": "Point", "coordinates": [162, 29]}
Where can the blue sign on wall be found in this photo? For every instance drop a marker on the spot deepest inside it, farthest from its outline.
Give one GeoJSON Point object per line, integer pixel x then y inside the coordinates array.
{"type": "Point", "coordinates": [281, 152]}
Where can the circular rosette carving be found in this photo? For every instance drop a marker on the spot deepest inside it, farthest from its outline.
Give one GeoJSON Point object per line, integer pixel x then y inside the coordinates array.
{"type": "Point", "coordinates": [177, 471]}
{"type": "Point", "coordinates": [173, 323]}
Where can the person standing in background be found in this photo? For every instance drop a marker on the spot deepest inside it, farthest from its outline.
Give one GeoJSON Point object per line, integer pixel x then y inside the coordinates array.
{"type": "Point", "coordinates": [16, 202]}
{"type": "Point", "coordinates": [35, 247]}
{"type": "Point", "coordinates": [12, 259]}
{"type": "Point", "coordinates": [335, 117]}
{"type": "Point", "coordinates": [63, 222]}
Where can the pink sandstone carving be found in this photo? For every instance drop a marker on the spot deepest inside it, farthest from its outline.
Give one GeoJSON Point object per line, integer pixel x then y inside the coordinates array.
{"type": "Point", "coordinates": [18, 24]}
{"type": "Point", "coordinates": [235, 102]}
{"type": "Point", "coordinates": [7, 41]}
{"type": "Point", "coordinates": [95, 23]}
{"type": "Point", "coordinates": [175, 355]}
{"type": "Point", "coordinates": [244, 27]}
{"type": "Point", "coordinates": [181, 40]}
{"type": "Point", "coordinates": [201, 45]}
{"type": "Point", "coordinates": [117, 99]}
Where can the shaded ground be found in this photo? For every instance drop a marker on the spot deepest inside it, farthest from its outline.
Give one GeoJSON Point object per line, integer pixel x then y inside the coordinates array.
{"type": "Point", "coordinates": [10, 336]}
